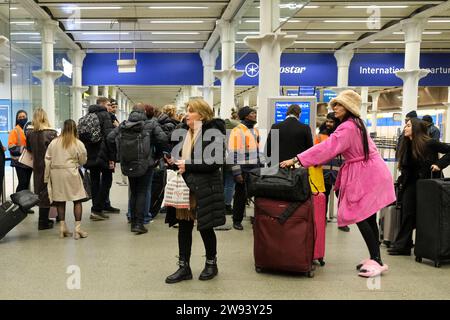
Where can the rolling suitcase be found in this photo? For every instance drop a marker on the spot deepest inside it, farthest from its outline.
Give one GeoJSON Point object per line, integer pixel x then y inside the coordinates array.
{"type": "Point", "coordinates": [10, 216]}
{"type": "Point", "coordinates": [389, 223]}
{"type": "Point", "coordinates": [319, 201]}
{"type": "Point", "coordinates": [284, 236]}
{"type": "Point", "coordinates": [433, 220]}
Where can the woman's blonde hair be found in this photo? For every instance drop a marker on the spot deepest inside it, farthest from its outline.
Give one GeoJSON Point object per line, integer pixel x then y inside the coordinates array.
{"type": "Point", "coordinates": [69, 133]}
{"type": "Point", "coordinates": [170, 110]}
{"type": "Point", "coordinates": [40, 120]}
{"type": "Point", "coordinates": [202, 108]}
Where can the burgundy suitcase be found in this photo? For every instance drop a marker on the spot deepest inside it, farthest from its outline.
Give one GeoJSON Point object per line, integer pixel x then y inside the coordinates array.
{"type": "Point", "coordinates": [320, 201]}
{"type": "Point", "coordinates": [283, 245]}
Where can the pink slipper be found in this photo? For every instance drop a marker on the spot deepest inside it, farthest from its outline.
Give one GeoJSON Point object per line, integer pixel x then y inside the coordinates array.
{"type": "Point", "coordinates": [363, 262]}
{"type": "Point", "coordinates": [372, 269]}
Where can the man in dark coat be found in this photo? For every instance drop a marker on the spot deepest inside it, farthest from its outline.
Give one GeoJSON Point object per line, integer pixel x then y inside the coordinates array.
{"type": "Point", "coordinates": [433, 131]}
{"type": "Point", "coordinates": [98, 163]}
{"type": "Point", "coordinates": [295, 137]}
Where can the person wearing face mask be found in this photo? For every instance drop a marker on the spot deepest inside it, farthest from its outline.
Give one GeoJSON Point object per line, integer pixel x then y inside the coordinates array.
{"type": "Point", "coordinates": [17, 143]}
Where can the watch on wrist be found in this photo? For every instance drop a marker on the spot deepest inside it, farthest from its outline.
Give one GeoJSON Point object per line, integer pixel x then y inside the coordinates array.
{"type": "Point", "coordinates": [295, 160]}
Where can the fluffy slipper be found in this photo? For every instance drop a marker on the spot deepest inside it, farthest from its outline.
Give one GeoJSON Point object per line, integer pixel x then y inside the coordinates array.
{"type": "Point", "coordinates": [363, 262]}
{"type": "Point", "coordinates": [372, 269]}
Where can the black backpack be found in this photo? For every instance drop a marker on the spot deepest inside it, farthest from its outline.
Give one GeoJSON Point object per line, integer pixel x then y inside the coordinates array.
{"type": "Point", "coordinates": [134, 150]}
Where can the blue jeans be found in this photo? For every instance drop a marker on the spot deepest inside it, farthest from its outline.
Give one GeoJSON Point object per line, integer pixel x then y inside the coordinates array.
{"type": "Point", "coordinates": [148, 198]}
{"type": "Point", "coordinates": [228, 187]}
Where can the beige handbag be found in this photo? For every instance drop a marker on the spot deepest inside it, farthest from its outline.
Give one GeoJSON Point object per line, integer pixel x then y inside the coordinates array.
{"type": "Point", "coordinates": [26, 158]}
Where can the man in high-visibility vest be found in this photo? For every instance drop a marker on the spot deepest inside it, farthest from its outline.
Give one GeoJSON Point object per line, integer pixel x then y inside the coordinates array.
{"type": "Point", "coordinates": [243, 146]}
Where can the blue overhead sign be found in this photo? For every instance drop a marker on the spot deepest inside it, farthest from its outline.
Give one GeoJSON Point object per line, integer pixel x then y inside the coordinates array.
{"type": "Point", "coordinates": [378, 69]}
{"type": "Point", "coordinates": [152, 69]}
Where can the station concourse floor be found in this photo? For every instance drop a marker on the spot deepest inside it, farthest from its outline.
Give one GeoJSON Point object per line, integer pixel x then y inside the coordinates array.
{"type": "Point", "coordinates": [116, 264]}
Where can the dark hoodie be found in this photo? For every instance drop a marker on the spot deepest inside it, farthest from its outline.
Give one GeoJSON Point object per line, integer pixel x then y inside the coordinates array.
{"type": "Point", "coordinates": [158, 139]}
{"type": "Point", "coordinates": [98, 152]}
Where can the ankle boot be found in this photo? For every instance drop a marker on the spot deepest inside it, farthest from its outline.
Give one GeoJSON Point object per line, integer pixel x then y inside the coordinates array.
{"type": "Point", "coordinates": [210, 270]}
{"type": "Point", "coordinates": [78, 232]}
{"type": "Point", "coordinates": [63, 231]}
{"type": "Point", "coordinates": [183, 273]}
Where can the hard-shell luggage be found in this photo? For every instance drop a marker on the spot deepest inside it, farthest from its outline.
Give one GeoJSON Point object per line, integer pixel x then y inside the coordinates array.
{"type": "Point", "coordinates": [284, 236]}
{"type": "Point", "coordinates": [433, 221]}
{"type": "Point", "coordinates": [320, 202]}
{"type": "Point", "coordinates": [389, 224]}
{"type": "Point", "coordinates": [10, 216]}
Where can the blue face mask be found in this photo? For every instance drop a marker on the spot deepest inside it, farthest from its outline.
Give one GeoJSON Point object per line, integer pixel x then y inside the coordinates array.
{"type": "Point", "coordinates": [22, 122]}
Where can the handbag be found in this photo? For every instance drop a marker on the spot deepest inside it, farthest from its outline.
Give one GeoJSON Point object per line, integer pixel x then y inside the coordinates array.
{"type": "Point", "coordinates": [286, 184]}
{"type": "Point", "coordinates": [26, 158]}
{"type": "Point", "coordinates": [86, 177]}
{"type": "Point", "coordinates": [176, 192]}
{"type": "Point", "coordinates": [25, 199]}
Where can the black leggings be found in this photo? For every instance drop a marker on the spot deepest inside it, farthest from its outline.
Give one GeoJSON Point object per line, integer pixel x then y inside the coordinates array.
{"type": "Point", "coordinates": [185, 240]}
{"type": "Point", "coordinates": [371, 235]}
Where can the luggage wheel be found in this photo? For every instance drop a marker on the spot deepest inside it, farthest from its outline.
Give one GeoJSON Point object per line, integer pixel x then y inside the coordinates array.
{"type": "Point", "coordinates": [437, 264]}
{"type": "Point", "coordinates": [322, 262]}
{"type": "Point", "coordinates": [310, 274]}
{"type": "Point", "coordinates": [418, 259]}
{"type": "Point", "coordinates": [258, 269]}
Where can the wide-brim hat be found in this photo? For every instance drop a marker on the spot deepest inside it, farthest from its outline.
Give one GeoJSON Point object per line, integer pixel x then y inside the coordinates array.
{"type": "Point", "coordinates": [350, 100]}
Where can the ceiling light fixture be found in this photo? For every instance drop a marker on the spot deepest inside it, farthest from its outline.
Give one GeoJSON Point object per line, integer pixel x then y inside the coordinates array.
{"type": "Point", "coordinates": [92, 8]}
{"type": "Point", "coordinates": [182, 42]}
{"type": "Point", "coordinates": [109, 42]}
{"type": "Point", "coordinates": [175, 32]}
{"type": "Point", "coordinates": [346, 21]}
{"type": "Point", "coordinates": [247, 32]}
{"type": "Point", "coordinates": [25, 33]}
{"type": "Point", "coordinates": [386, 42]}
{"type": "Point", "coordinates": [22, 22]}
{"type": "Point", "coordinates": [439, 21]}
{"type": "Point", "coordinates": [177, 21]}
{"type": "Point", "coordinates": [28, 42]}
{"type": "Point", "coordinates": [316, 42]}
{"type": "Point", "coordinates": [425, 32]}
{"type": "Point", "coordinates": [376, 6]}
{"type": "Point", "coordinates": [90, 21]}
{"type": "Point", "coordinates": [330, 32]}
{"type": "Point", "coordinates": [175, 7]}
{"type": "Point", "coordinates": [104, 33]}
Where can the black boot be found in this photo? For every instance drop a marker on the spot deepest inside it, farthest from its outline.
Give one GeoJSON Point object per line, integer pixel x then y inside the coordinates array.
{"type": "Point", "coordinates": [210, 270]}
{"type": "Point", "coordinates": [44, 221]}
{"type": "Point", "coordinates": [139, 228]}
{"type": "Point", "coordinates": [183, 273]}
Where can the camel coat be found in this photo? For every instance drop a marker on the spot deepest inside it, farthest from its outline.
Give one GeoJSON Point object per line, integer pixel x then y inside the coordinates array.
{"type": "Point", "coordinates": [61, 171]}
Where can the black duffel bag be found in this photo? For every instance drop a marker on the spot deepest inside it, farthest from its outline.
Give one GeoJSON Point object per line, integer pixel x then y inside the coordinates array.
{"type": "Point", "coordinates": [285, 184]}
{"type": "Point", "coordinates": [25, 199]}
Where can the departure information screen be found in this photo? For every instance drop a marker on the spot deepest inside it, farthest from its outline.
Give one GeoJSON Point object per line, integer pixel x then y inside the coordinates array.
{"type": "Point", "coordinates": [281, 108]}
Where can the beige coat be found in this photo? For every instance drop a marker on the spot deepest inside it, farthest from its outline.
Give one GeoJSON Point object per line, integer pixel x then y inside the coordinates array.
{"type": "Point", "coordinates": [61, 171]}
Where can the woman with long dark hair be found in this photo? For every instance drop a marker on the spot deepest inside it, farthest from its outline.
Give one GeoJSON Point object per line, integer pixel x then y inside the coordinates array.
{"type": "Point", "coordinates": [418, 159]}
{"type": "Point", "coordinates": [65, 155]}
{"type": "Point", "coordinates": [364, 182]}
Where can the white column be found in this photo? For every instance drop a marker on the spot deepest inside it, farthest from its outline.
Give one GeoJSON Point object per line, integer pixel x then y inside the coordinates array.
{"type": "Point", "coordinates": [209, 63]}
{"type": "Point", "coordinates": [343, 58]}
{"type": "Point", "coordinates": [447, 119]}
{"type": "Point", "coordinates": [246, 97]}
{"type": "Point", "coordinates": [228, 74]}
{"type": "Point", "coordinates": [77, 57]}
{"type": "Point", "coordinates": [105, 92]}
{"type": "Point", "coordinates": [375, 97]}
{"type": "Point", "coordinates": [47, 75]}
{"type": "Point", "coordinates": [411, 74]}
{"type": "Point", "coordinates": [269, 46]}
{"type": "Point", "coordinates": [114, 93]}
{"type": "Point", "coordinates": [93, 95]}
{"type": "Point", "coordinates": [364, 103]}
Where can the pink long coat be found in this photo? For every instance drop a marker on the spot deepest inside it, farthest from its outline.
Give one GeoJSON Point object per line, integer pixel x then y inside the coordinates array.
{"type": "Point", "coordinates": [364, 186]}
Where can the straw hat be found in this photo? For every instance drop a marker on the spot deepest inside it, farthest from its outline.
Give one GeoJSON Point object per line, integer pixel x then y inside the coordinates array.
{"type": "Point", "coordinates": [350, 100]}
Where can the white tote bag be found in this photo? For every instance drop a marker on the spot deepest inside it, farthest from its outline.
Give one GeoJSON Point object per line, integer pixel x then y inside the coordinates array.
{"type": "Point", "coordinates": [176, 192]}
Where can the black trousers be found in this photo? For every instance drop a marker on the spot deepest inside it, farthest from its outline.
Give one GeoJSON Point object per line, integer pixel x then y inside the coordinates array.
{"type": "Point", "coordinates": [24, 176]}
{"type": "Point", "coordinates": [408, 218]}
{"type": "Point", "coordinates": [185, 228]}
{"type": "Point", "coordinates": [43, 214]}
{"type": "Point", "coordinates": [371, 235]}
{"type": "Point", "coordinates": [240, 199]}
{"type": "Point", "coordinates": [101, 181]}
{"type": "Point", "coordinates": [138, 193]}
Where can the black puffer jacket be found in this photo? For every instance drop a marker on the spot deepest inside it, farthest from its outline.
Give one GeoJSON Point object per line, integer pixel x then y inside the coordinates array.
{"type": "Point", "coordinates": [167, 124]}
{"type": "Point", "coordinates": [158, 139]}
{"type": "Point", "coordinates": [98, 152]}
{"type": "Point", "coordinates": [205, 179]}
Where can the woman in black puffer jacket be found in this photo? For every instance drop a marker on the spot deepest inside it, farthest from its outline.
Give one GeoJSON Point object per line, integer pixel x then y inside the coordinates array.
{"type": "Point", "coordinates": [202, 173]}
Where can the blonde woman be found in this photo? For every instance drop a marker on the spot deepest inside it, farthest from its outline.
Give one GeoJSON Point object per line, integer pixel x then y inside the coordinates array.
{"type": "Point", "coordinates": [63, 158]}
{"type": "Point", "coordinates": [39, 136]}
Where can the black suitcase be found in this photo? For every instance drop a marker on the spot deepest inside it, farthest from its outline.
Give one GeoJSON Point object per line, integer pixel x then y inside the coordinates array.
{"type": "Point", "coordinates": [10, 216]}
{"type": "Point", "coordinates": [433, 220]}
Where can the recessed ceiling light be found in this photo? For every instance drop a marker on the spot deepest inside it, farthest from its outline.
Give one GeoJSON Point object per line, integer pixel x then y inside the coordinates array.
{"type": "Point", "coordinates": [247, 32]}
{"type": "Point", "coordinates": [386, 42]}
{"type": "Point", "coordinates": [240, 42]}
{"type": "Point", "coordinates": [176, 32]}
{"type": "Point", "coordinates": [311, 42]}
{"type": "Point", "coordinates": [439, 21]}
{"type": "Point", "coordinates": [28, 42]}
{"type": "Point", "coordinates": [176, 7]}
{"type": "Point", "coordinates": [109, 42]}
{"type": "Point", "coordinates": [294, 6]}
{"type": "Point", "coordinates": [89, 21]}
{"type": "Point", "coordinates": [104, 33]}
{"type": "Point", "coordinates": [13, 8]}
{"type": "Point", "coordinates": [281, 20]}
{"type": "Point", "coordinates": [92, 8]}
{"type": "Point", "coordinates": [182, 42]}
{"type": "Point", "coordinates": [25, 33]}
{"type": "Point", "coordinates": [346, 21]}
{"type": "Point", "coordinates": [425, 32]}
{"type": "Point", "coordinates": [376, 6]}
{"type": "Point", "coordinates": [22, 22]}
{"type": "Point", "coordinates": [330, 32]}
{"type": "Point", "coordinates": [176, 21]}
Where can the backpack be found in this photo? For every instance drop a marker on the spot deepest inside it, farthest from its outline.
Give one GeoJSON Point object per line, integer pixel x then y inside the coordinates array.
{"type": "Point", "coordinates": [89, 129]}
{"type": "Point", "coordinates": [134, 150]}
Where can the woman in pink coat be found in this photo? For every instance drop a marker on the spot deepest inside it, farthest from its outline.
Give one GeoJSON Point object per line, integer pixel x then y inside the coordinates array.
{"type": "Point", "coordinates": [364, 182]}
